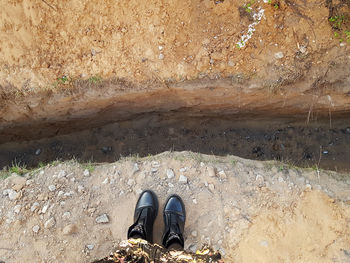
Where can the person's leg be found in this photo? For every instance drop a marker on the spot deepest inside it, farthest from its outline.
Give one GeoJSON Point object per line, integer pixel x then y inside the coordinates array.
{"type": "Point", "coordinates": [174, 216]}
{"type": "Point", "coordinates": [145, 214]}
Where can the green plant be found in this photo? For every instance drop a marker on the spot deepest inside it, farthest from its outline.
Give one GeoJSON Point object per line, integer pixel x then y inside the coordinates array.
{"type": "Point", "coordinates": [337, 21]}
{"type": "Point", "coordinates": [63, 80]}
{"type": "Point", "coordinates": [95, 79]}
{"type": "Point", "coordinates": [88, 166]}
{"type": "Point", "coordinates": [18, 168]}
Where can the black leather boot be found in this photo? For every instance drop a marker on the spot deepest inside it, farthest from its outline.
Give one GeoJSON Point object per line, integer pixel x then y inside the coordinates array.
{"type": "Point", "coordinates": [174, 215]}
{"type": "Point", "coordinates": [145, 214]}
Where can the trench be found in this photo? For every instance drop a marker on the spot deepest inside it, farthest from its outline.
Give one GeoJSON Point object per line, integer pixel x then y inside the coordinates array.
{"type": "Point", "coordinates": [293, 141]}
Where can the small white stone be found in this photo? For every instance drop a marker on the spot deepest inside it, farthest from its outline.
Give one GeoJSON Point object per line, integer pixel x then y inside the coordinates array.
{"type": "Point", "coordinates": [342, 44]}
{"type": "Point", "coordinates": [195, 201]}
{"type": "Point", "coordinates": [160, 47]}
{"type": "Point", "coordinates": [36, 229]}
{"type": "Point", "coordinates": [201, 164]}
{"type": "Point", "coordinates": [105, 181]}
{"type": "Point", "coordinates": [50, 223]}
{"type": "Point", "coordinates": [61, 174]}
{"type": "Point", "coordinates": [170, 173]}
{"type": "Point", "coordinates": [183, 179]}
{"type": "Point", "coordinates": [222, 175]}
{"type": "Point", "coordinates": [52, 188]}
{"type": "Point", "coordinates": [194, 233]}
{"type": "Point", "coordinates": [211, 171]}
{"type": "Point", "coordinates": [102, 219]}
{"type": "Point", "coordinates": [86, 172]}
{"type": "Point", "coordinates": [155, 164]}
{"type": "Point", "coordinates": [17, 209]}
{"type": "Point", "coordinates": [161, 56]}
{"type": "Point", "coordinates": [13, 195]}
{"type": "Point", "coordinates": [80, 188]}
{"type": "Point", "coordinates": [66, 215]}
{"type": "Point", "coordinates": [38, 151]}
{"type": "Point", "coordinates": [131, 182]}
{"type": "Point", "coordinates": [34, 207]}
{"type": "Point", "coordinates": [211, 187]}
{"type": "Point", "coordinates": [41, 172]}
{"type": "Point", "coordinates": [280, 179]}
{"type": "Point", "coordinates": [45, 207]}
{"type": "Point", "coordinates": [308, 186]}
{"type": "Point", "coordinates": [90, 246]}
{"type": "Point", "coordinates": [170, 185]}
{"type": "Point", "coordinates": [279, 55]}
{"type": "Point", "coordinates": [136, 168]}
{"type": "Point", "coordinates": [183, 169]}
{"type": "Point", "coordinates": [60, 193]}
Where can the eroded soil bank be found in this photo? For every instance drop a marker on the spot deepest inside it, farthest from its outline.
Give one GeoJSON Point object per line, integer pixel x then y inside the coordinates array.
{"type": "Point", "coordinates": [250, 211]}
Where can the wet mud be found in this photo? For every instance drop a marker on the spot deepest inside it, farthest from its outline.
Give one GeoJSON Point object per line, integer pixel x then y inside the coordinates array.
{"type": "Point", "coordinates": [321, 143]}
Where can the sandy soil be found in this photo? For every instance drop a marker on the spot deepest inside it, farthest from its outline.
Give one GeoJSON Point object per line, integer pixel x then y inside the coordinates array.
{"type": "Point", "coordinates": [251, 211]}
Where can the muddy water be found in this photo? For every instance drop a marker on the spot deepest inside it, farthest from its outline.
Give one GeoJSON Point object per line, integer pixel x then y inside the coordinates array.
{"type": "Point", "coordinates": [317, 143]}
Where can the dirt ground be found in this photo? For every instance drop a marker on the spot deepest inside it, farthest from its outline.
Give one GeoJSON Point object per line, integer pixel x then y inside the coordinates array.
{"type": "Point", "coordinates": [266, 213]}
{"type": "Point", "coordinates": [68, 59]}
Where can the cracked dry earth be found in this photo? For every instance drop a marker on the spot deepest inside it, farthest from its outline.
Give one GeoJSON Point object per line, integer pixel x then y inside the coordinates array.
{"type": "Point", "coordinates": [248, 210]}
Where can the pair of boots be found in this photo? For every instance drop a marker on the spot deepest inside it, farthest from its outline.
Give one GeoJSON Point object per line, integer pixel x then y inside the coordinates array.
{"type": "Point", "coordinates": [174, 216]}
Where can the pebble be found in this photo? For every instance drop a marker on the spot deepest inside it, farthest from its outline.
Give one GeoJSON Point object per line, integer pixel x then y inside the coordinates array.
{"type": "Point", "coordinates": [222, 175]}
{"type": "Point", "coordinates": [105, 181]}
{"type": "Point", "coordinates": [70, 229]}
{"type": "Point", "coordinates": [347, 130]}
{"type": "Point", "coordinates": [80, 188]}
{"type": "Point", "coordinates": [51, 222]}
{"type": "Point", "coordinates": [102, 219]}
{"type": "Point", "coordinates": [66, 215]}
{"type": "Point", "coordinates": [36, 228]}
{"type": "Point", "coordinates": [183, 179]}
{"type": "Point", "coordinates": [17, 209]}
{"type": "Point", "coordinates": [170, 185]}
{"type": "Point", "coordinates": [12, 194]}
{"type": "Point", "coordinates": [211, 187]}
{"type": "Point", "coordinates": [86, 172]}
{"type": "Point", "coordinates": [38, 151]}
{"type": "Point", "coordinates": [34, 207]}
{"type": "Point", "coordinates": [61, 174]}
{"type": "Point", "coordinates": [279, 55]}
{"type": "Point", "coordinates": [155, 164]}
{"type": "Point", "coordinates": [45, 207]}
{"type": "Point", "coordinates": [52, 188]}
{"type": "Point", "coordinates": [280, 179]}
{"type": "Point", "coordinates": [183, 169]}
{"type": "Point", "coordinates": [90, 246]}
{"type": "Point", "coordinates": [211, 171]}
{"type": "Point", "coordinates": [194, 233]}
{"type": "Point", "coordinates": [170, 173]}
{"type": "Point", "coordinates": [161, 56]}
{"type": "Point", "coordinates": [135, 169]}
{"type": "Point", "coordinates": [259, 179]}
{"type": "Point", "coordinates": [194, 201]}
{"type": "Point", "coordinates": [131, 182]}
{"type": "Point", "coordinates": [18, 182]}
{"type": "Point", "coordinates": [201, 164]}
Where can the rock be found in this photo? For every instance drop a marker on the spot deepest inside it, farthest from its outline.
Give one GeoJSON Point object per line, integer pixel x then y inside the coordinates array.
{"type": "Point", "coordinates": [17, 209]}
{"type": "Point", "coordinates": [52, 188]}
{"type": "Point", "coordinates": [90, 246]}
{"type": "Point", "coordinates": [183, 179]}
{"type": "Point", "coordinates": [154, 170]}
{"type": "Point", "coordinates": [211, 171]}
{"type": "Point", "coordinates": [18, 182]}
{"type": "Point", "coordinates": [80, 188]}
{"type": "Point", "coordinates": [183, 169]}
{"type": "Point", "coordinates": [50, 223]}
{"type": "Point", "coordinates": [201, 164]}
{"type": "Point", "coordinates": [38, 151]}
{"type": "Point", "coordinates": [161, 56]}
{"type": "Point", "coordinates": [170, 173]}
{"type": "Point", "coordinates": [280, 179]}
{"type": "Point", "coordinates": [194, 201]}
{"type": "Point", "coordinates": [12, 194]}
{"type": "Point", "coordinates": [29, 182]}
{"type": "Point", "coordinates": [259, 179]}
{"type": "Point", "coordinates": [60, 193]}
{"type": "Point", "coordinates": [86, 173]}
{"type": "Point", "coordinates": [70, 229]}
{"type": "Point", "coordinates": [34, 207]}
{"type": "Point", "coordinates": [211, 187]}
{"type": "Point", "coordinates": [194, 233]}
{"type": "Point", "coordinates": [222, 175]}
{"type": "Point", "coordinates": [105, 181]}
{"type": "Point", "coordinates": [66, 215]}
{"type": "Point", "coordinates": [170, 185]}
{"type": "Point", "coordinates": [131, 182]}
{"type": "Point", "coordinates": [135, 169]}
{"type": "Point", "coordinates": [45, 207]}
{"type": "Point", "coordinates": [279, 55]}
{"type": "Point", "coordinates": [155, 164]}
{"type": "Point", "coordinates": [61, 174]}
{"type": "Point", "coordinates": [347, 130]}
{"type": "Point", "coordinates": [36, 229]}
{"type": "Point", "coordinates": [102, 219]}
